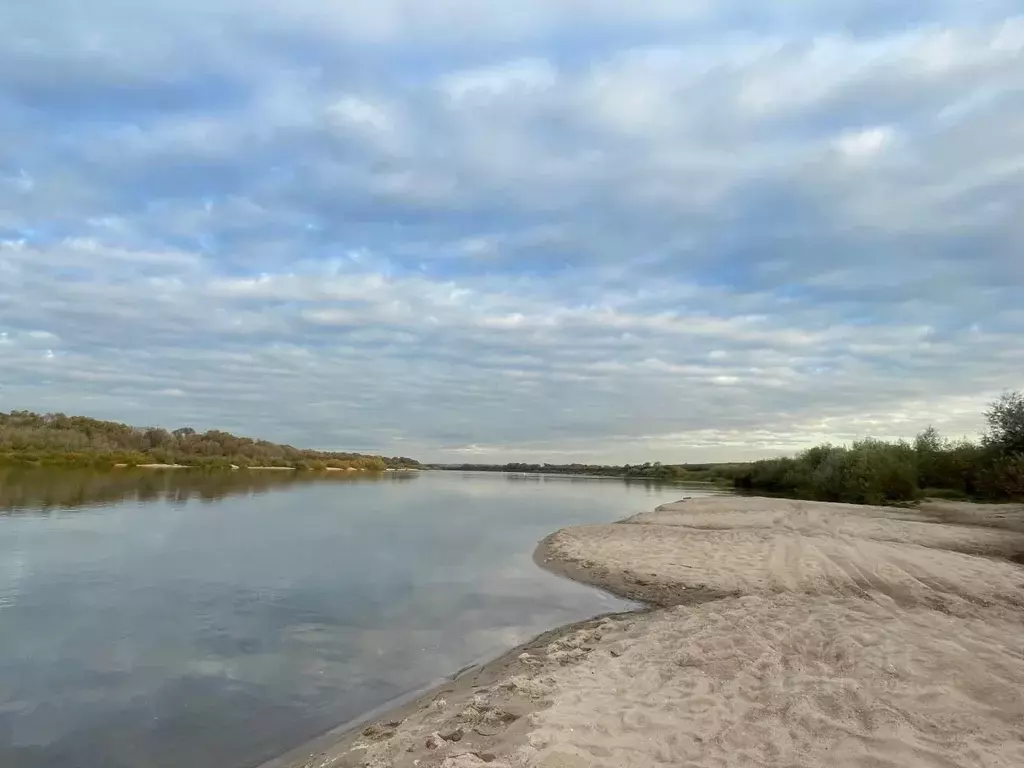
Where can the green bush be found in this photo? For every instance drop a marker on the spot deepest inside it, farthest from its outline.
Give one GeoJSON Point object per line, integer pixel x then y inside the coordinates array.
{"type": "Point", "coordinates": [1005, 419]}
{"type": "Point", "coordinates": [879, 472]}
{"type": "Point", "coordinates": [869, 472]}
{"type": "Point", "coordinates": [1004, 480]}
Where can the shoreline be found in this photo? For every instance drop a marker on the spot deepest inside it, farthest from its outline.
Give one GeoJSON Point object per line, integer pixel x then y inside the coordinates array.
{"type": "Point", "coordinates": [626, 586]}
{"type": "Point", "coordinates": [334, 747]}
{"type": "Point", "coordinates": [238, 468]}
{"type": "Point", "coordinates": [340, 747]}
{"type": "Point", "coordinates": [769, 584]}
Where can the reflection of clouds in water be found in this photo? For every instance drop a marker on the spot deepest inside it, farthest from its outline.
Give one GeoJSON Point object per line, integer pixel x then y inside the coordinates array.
{"type": "Point", "coordinates": [450, 627]}
{"type": "Point", "coordinates": [313, 635]}
{"type": "Point", "coordinates": [13, 569]}
{"type": "Point", "coordinates": [198, 635]}
{"type": "Point", "coordinates": [439, 628]}
{"type": "Point", "coordinates": [146, 731]}
{"type": "Point", "coordinates": [221, 667]}
{"type": "Point", "coordinates": [560, 487]}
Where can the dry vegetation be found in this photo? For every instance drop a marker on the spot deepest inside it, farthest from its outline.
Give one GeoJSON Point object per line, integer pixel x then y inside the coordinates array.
{"type": "Point", "coordinates": [56, 439]}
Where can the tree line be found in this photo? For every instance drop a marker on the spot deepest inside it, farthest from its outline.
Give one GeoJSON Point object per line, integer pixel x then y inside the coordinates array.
{"type": "Point", "coordinates": [57, 439]}
{"type": "Point", "coordinates": [879, 472]}
{"type": "Point", "coordinates": [867, 472]}
{"type": "Point", "coordinates": [693, 473]}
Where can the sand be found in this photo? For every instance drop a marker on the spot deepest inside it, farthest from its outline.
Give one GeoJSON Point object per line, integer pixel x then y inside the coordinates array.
{"type": "Point", "coordinates": [673, 564]}
{"type": "Point", "coordinates": [151, 466]}
{"type": "Point", "coordinates": [787, 634]}
{"type": "Point", "coordinates": [792, 681]}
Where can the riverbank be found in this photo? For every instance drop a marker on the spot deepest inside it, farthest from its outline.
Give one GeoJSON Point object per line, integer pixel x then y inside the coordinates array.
{"type": "Point", "coordinates": [237, 467]}
{"type": "Point", "coordinates": [480, 713]}
{"type": "Point", "coordinates": [785, 633]}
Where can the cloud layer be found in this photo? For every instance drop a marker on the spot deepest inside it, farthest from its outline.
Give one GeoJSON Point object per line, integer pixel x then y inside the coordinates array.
{"type": "Point", "coordinates": [542, 230]}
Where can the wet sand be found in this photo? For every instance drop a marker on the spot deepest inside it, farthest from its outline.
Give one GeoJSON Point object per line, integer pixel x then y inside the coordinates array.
{"type": "Point", "coordinates": [786, 633]}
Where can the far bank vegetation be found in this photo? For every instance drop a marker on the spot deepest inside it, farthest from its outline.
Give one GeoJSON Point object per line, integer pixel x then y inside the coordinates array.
{"type": "Point", "coordinates": [56, 439]}
{"type": "Point", "coordinates": [691, 473]}
{"type": "Point", "coordinates": [867, 472]}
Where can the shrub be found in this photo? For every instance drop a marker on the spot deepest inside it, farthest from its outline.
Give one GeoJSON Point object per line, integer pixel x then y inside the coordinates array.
{"type": "Point", "coordinates": [878, 472]}
{"type": "Point", "coordinates": [1004, 480]}
{"type": "Point", "coordinates": [868, 472]}
{"type": "Point", "coordinates": [1005, 419]}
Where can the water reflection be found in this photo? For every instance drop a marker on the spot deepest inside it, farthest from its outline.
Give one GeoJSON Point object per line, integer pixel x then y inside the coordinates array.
{"type": "Point", "coordinates": [34, 489]}
{"type": "Point", "coordinates": [589, 480]}
{"type": "Point", "coordinates": [216, 620]}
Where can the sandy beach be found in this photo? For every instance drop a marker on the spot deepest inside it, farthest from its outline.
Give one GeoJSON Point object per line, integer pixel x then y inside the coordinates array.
{"type": "Point", "coordinates": [782, 633]}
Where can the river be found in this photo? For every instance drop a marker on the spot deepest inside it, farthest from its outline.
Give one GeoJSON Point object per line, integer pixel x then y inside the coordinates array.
{"type": "Point", "coordinates": [159, 619]}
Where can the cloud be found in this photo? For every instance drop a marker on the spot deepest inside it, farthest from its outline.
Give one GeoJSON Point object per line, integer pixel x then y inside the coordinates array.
{"type": "Point", "coordinates": [659, 230]}
{"type": "Point", "coordinates": [864, 143]}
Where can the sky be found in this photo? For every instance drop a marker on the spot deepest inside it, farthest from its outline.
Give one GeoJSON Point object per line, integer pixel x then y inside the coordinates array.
{"type": "Point", "coordinates": [540, 230]}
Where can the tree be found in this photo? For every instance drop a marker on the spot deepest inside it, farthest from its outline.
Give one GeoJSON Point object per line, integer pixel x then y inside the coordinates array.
{"type": "Point", "coordinates": [1005, 419]}
{"type": "Point", "coordinates": [157, 438]}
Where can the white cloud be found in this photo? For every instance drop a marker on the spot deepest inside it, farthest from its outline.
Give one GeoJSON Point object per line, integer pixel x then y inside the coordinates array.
{"type": "Point", "coordinates": [455, 21]}
{"type": "Point", "coordinates": [618, 231]}
{"type": "Point", "coordinates": [359, 113]}
{"type": "Point", "coordinates": [866, 143]}
{"type": "Point", "coordinates": [509, 79]}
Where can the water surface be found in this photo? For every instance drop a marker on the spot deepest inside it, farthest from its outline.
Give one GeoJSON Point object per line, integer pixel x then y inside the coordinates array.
{"type": "Point", "coordinates": [178, 618]}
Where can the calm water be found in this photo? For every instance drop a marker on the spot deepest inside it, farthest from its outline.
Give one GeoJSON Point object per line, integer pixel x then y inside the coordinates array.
{"type": "Point", "coordinates": [188, 619]}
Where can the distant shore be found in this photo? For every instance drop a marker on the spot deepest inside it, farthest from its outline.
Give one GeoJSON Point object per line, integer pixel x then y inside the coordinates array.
{"type": "Point", "coordinates": [61, 441]}
{"type": "Point", "coordinates": [282, 469]}
{"type": "Point", "coordinates": [784, 631]}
